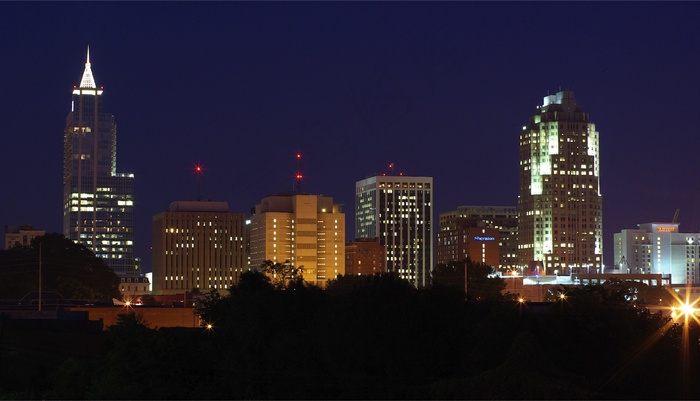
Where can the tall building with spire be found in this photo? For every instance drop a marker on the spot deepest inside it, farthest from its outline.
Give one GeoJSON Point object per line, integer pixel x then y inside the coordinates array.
{"type": "Point", "coordinates": [98, 202]}
{"type": "Point", "coordinates": [560, 212]}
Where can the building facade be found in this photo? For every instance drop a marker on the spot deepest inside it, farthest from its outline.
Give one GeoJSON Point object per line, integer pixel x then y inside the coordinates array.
{"type": "Point", "coordinates": [398, 210]}
{"type": "Point", "coordinates": [197, 244]}
{"type": "Point", "coordinates": [98, 202]}
{"type": "Point", "coordinates": [306, 230]}
{"type": "Point", "coordinates": [560, 215]}
{"type": "Point", "coordinates": [364, 256]}
{"type": "Point", "coordinates": [502, 218]}
{"type": "Point", "coordinates": [659, 248]}
{"type": "Point", "coordinates": [469, 239]}
{"type": "Point", "coordinates": [21, 235]}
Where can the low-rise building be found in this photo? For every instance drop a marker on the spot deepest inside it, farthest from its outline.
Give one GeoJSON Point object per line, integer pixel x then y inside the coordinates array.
{"type": "Point", "coordinates": [21, 235]}
{"type": "Point", "coordinates": [365, 256]}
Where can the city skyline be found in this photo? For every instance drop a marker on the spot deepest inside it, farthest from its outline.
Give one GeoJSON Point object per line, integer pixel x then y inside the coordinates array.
{"type": "Point", "coordinates": [441, 90]}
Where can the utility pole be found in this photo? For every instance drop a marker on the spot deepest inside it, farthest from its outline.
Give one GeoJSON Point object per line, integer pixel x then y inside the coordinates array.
{"type": "Point", "coordinates": [39, 276]}
{"type": "Point", "coordinates": [465, 279]}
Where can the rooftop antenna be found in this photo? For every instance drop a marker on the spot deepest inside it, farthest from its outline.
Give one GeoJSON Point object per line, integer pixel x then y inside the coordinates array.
{"type": "Point", "coordinates": [198, 170]}
{"type": "Point", "coordinates": [299, 176]}
{"type": "Point", "coordinates": [391, 168]}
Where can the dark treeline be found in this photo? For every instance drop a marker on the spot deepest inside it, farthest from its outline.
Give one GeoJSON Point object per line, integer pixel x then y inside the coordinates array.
{"type": "Point", "coordinates": [378, 338]}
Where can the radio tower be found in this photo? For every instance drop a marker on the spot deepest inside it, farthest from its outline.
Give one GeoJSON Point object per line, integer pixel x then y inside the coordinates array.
{"type": "Point", "coordinates": [198, 170]}
{"type": "Point", "coordinates": [297, 179]}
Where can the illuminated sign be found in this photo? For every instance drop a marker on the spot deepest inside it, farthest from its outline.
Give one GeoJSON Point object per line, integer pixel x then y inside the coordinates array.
{"type": "Point", "coordinates": [666, 229]}
{"type": "Point", "coordinates": [478, 238]}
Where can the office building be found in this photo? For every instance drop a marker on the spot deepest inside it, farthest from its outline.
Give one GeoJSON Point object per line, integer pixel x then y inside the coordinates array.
{"type": "Point", "coordinates": [399, 210]}
{"type": "Point", "coordinates": [364, 256]}
{"type": "Point", "coordinates": [469, 239]}
{"type": "Point", "coordinates": [21, 235]}
{"type": "Point", "coordinates": [560, 216]}
{"type": "Point", "coordinates": [197, 244]}
{"type": "Point", "coordinates": [306, 230]}
{"type": "Point", "coordinates": [502, 218]}
{"type": "Point", "coordinates": [98, 202]}
{"type": "Point", "coordinates": [659, 248]}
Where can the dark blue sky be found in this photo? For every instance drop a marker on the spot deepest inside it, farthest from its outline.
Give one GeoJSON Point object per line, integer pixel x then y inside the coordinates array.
{"type": "Point", "coordinates": [440, 89]}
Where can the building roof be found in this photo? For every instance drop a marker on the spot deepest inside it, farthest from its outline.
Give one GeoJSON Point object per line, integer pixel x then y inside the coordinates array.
{"type": "Point", "coordinates": [88, 81]}
{"type": "Point", "coordinates": [198, 206]}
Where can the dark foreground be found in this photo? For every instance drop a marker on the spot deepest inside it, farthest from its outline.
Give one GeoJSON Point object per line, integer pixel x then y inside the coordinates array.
{"type": "Point", "coordinates": [378, 340]}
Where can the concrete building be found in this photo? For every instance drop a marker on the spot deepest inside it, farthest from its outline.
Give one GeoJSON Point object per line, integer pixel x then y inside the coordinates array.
{"type": "Point", "coordinates": [98, 202]}
{"type": "Point", "coordinates": [306, 230]}
{"type": "Point", "coordinates": [469, 239]}
{"type": "Point", "coordinates": [399, 210]}
{"type": "Point", "coordinates": [131, 287]}
{"type": "Point", "coordinates": [502, 218]}
{"type": "Point", "coordinates": [560, 215]}
{"type": "Point", "coordinates": [659, 248]}
{"type": "Point", "coordinates": [197, 244]}
{"type": "Point", "coordinates": [21, 235]}
{"type": "Point", "coordinates": [364, 256]}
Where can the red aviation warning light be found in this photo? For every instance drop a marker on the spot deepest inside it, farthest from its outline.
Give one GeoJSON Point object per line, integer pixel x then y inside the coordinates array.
{"type": "Point", "coordinates": [199, 171]}
{"type": "Point", "coordinates": [298, 176]}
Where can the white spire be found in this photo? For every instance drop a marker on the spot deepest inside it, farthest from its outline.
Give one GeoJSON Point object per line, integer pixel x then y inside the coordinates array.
{"type": "Point", "coordinates": [88, 80]}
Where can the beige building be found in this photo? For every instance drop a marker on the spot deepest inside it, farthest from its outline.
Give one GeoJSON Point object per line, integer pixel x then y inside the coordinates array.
{"type": "Point", "coordinates": [197, 244]}
{"type": "Point", "coordinates": [21, 235]}
{"type": "Point", "coordinates": [307, 230]}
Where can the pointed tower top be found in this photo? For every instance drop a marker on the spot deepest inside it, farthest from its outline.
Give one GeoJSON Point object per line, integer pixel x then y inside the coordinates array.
{"type": "Point", "coordinates": [88, 81]}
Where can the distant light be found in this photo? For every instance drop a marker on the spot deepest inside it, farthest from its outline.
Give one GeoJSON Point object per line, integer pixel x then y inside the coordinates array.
{"type": "Point", "coordinates": [524, 128]}
{"type": "Point", "coordinates": [687, 309]}
{"type": "Point", "coordinates": [298, 155]}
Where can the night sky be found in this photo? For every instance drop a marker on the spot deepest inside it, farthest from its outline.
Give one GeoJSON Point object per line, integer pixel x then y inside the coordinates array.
{"type": "Point", "coordinates": [439, 89]}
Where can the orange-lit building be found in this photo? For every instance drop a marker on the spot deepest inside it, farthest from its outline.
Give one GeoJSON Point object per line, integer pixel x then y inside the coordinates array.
{"type": "Point", "coordinates": [471, 239]}
{"type": "Point", "coordinates": [306, 230]}
{"type": "Point", "coordinates": [364, 256]}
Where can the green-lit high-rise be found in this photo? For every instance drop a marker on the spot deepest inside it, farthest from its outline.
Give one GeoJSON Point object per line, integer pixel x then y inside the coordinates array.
{"type": "Point", "coordinates": [560, 215]}
{"type": "Point", "coordinates": [98, 202]}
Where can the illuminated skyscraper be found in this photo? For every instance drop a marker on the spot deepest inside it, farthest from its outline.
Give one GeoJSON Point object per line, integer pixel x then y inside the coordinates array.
{"type": "Point", "coordinates": [306, 230]}
{"type": "Point", "coordinates": [98, 202]}
{"type": "Point", "coordinates": [399, 210]}
{"type": "Point", "coordinates": [560, 216]}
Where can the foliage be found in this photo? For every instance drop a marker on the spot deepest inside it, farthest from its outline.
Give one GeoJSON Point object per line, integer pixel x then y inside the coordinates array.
{"type": "Point", "coordinates": [378, 337]}
{"type": "Point", "coordinates": [282, 275]}
{"type": "Point", "coordinates": [68, 268]}
{"type": "Point", "coordinates": [481, 283]}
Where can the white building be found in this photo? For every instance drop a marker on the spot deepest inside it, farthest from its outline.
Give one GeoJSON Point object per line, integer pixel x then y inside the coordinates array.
{"type": "Point", "coordinates": [399, 210]}
{"type": "Point", "coordinates": [21, 235]}
{"type": "Point", "coordinates": [659, 248]}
